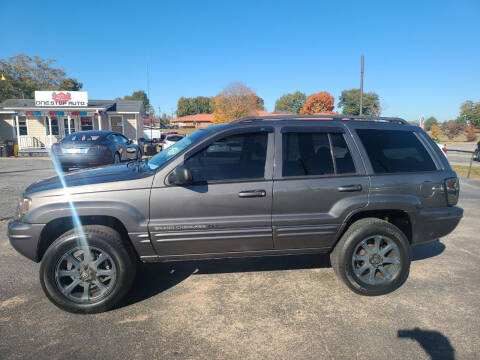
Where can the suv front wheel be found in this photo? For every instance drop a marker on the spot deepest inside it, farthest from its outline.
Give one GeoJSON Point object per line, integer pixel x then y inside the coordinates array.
{"type": "Point", "coordinates": [87, 270]}
{"type": "Point", "coordinates": [372, 257]}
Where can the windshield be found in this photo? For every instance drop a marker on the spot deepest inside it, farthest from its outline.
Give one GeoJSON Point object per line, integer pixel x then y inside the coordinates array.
{"type": "Point", "coordinates": [164, 156]}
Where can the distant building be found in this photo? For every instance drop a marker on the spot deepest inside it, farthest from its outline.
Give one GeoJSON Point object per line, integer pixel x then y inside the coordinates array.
{"type": "Point", "coordinates": [199, 121]}
{"type": "Point", "coordinates": [52, 115]}
{"type": "Point", "coordinates": [193, 121]}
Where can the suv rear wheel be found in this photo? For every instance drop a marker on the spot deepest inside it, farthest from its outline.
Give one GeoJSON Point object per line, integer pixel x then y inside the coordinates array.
{"type": "Point", "coordinates": [372, 257]}
{"type": "Point", "coordinates": [87, 276]}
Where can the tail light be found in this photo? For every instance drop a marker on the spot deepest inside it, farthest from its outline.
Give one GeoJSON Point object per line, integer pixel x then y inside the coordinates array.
{"type": "Point", "coordinates": [97, 149]}
{"type": "Point", "coordinates": [57, 149]}
{"type": "Point", "coordinates": [444, 149]}
{"type": "Point", "coordinates": [452, 190]}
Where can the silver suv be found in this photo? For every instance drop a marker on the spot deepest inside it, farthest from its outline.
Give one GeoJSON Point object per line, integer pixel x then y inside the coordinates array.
{"type": "Point", "coordinates": [363, 189]}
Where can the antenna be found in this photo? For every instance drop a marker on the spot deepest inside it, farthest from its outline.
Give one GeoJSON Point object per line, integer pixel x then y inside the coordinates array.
{"type": "Point", "coordinates": [361, 86]}
{"type": "Point", "coordinates": [148, 95]}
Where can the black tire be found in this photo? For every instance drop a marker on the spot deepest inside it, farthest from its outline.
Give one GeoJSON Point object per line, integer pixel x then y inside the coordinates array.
{"type": "Point", "coordinates": [342, 257]}
{"type": "Point", "coordinates": [116, 159]}
{"type": "Point", "coordinates": [99, 237]}
{"type": "Point", "coordinates": [65, 169]}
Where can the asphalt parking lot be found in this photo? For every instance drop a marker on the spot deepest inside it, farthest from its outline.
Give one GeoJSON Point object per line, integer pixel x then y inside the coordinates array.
{"type": "Point", "coordinates": [257, 308]}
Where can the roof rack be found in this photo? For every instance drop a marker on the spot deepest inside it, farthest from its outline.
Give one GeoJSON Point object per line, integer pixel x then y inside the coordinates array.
{"type": "Point", "coordinates": [324, 117]}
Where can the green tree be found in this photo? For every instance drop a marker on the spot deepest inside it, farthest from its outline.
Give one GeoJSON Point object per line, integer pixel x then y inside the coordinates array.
{"type": "Point", "coordinates": [429, 122]}
{"type": "Point", "coordinates": [24, 74]}
{"type": "Point", "coordinates": [291, 103]}
{"type": "Point", "coordinates": [469, 113]}
{"type": "Point", "coordinates": [70, 84]}
{"type": "Point", "coordinates": [195, 105]}
{"type": "Point", "coordinates": [141, 95]}
{"type": "Point", "coordinates": [349, 101]}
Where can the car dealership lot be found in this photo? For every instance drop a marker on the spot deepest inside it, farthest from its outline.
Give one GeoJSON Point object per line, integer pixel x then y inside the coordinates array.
{"type": "Point", "coordinates": [279, 307]}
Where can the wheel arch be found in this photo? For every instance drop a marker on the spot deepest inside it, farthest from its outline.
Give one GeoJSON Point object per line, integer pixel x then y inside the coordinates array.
{"type": "Point", "coordinates": [399, 218]}
{"type": "Point", "coordinates": [56, 227]}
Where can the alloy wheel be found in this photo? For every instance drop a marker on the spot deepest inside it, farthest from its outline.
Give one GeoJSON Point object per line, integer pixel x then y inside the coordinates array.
{"type": "Point", "coordinates": [85, 274]}
{"type": "Point", "coordinates": [376, 260]}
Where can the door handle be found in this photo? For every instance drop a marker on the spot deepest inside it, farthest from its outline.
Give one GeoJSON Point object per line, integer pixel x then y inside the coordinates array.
{"type": "Point", "coordinates": [252, 193]}
{"type": "Point", "coordinates": [350, 188]}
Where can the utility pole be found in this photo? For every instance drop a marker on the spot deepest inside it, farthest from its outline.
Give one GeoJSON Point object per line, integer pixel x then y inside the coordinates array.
{"type": "Point", "coordinates": [361, 86]}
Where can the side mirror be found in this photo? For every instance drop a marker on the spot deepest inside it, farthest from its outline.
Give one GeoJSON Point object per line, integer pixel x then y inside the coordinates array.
{"type": "Point", "coordinates": [129, 142]}
{"type": "Point", "coordinates": [181, 176]}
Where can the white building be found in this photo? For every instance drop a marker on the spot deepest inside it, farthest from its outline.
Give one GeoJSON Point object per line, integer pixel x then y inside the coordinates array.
{"type": "Point", "coordinates": [35, 124]}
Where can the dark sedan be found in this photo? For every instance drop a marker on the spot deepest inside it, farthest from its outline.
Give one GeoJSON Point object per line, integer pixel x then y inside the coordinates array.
{"type": "Point", "coordinates": [93, 148]}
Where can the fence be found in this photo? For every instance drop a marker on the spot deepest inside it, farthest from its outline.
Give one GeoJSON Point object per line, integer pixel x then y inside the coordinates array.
{"type": "Point", "coordinates": [471, 158]}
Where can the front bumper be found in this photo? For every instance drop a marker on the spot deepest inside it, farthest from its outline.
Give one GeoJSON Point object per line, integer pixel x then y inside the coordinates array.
{"type": "Point", "coordinates": [25, 237]}
{"type": "Point", "coordinates": [431, 224]}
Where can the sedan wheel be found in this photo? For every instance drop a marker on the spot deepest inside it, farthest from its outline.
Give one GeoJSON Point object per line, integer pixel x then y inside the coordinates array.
{"type": "Point", "coordinates": [116, 159]}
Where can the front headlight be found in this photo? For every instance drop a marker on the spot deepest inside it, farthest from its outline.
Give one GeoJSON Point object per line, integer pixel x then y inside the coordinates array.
{"type": "Point", "coordinates": [23, 207]}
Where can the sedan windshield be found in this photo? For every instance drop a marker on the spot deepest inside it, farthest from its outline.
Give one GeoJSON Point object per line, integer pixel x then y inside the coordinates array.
{"type": "Point", "coordinates": [163, 157]}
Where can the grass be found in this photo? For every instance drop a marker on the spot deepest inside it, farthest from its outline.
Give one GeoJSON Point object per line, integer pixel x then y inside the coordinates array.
{"type": "Point", "coordinates": [462, 171]}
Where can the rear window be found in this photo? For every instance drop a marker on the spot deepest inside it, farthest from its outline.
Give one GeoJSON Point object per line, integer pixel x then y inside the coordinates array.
{"type": "Point", "coordinates": [394, 151]}
{"type": "Point", "coordinates": [82, 137]}
{"type": "Point", "coordinates": [174, 138]}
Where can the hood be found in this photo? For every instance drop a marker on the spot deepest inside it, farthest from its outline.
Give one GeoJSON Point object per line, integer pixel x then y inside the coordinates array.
{"type": "Point", "coordinates": [113, 178]}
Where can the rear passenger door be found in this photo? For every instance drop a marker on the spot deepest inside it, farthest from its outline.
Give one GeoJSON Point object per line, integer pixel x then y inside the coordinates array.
{"type": "Point", "coordinates": [319, 179]}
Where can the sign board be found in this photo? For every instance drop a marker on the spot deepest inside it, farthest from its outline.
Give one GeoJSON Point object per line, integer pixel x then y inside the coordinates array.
{"type": "Point", "coordinates": [61, 98]}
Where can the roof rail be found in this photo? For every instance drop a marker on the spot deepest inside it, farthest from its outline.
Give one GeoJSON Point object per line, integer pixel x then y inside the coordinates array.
{"type": "Point", "coordinates": [324, 117]}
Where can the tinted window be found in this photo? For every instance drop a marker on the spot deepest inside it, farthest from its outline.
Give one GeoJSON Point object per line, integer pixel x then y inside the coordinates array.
{"type": "Point", "coordinates": [392, 151]}
{"type": "Point", "coordinates": [233, 157]}
{"type": "Point", "coordinates": [343, 158]}
{"type": "Point", "coordinates": [306, 154]}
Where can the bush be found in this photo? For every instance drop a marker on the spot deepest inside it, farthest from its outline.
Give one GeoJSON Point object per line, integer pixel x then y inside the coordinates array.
{"type": "Point", "coordinates": [452, 128]}
{"type": "Point", "coordinates": [471, 136]}
{"type": "Point", "coordinates": [435, 131]}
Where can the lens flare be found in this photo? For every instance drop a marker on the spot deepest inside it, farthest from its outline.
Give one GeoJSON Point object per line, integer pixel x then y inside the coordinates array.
{"type": "Point", "coordinates": [82, 241]}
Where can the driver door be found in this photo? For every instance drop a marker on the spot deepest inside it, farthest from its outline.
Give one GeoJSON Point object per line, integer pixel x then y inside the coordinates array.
{"type": "Point", "coordinates": [227, 208]}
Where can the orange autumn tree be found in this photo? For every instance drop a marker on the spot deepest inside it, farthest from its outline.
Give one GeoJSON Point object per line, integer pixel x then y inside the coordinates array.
{"type": "Point", "coordinates": [234, 103]}
{"type": "Point", "coordinates": [321, 102]}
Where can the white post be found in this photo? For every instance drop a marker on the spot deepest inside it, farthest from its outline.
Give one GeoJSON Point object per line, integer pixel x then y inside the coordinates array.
{"type": "Point", "coordinates": [18, 132]}
{"type": "Point", "coordinates": [109, 123]}
{"type": "Point", "coordinates": [50, 130]}
{"type": "Point", "coordinates": [68, 120]}
{"type": "Point", "coordinates": [99, 121]}
{"type": "Point", "coordinates": [123, 125]}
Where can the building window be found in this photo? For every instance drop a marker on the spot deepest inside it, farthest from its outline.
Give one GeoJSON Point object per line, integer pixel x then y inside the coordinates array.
{"type": "Point", "coordinates": [22, 126]}
{"type": "Point", "coordinates": [117, 124]}
{"type": "Point", "coordinates": [55, 130]}
{"type": "Point", "coordinates": [65, 126]}
{"type": "Point", "coordinates": [87, 123]}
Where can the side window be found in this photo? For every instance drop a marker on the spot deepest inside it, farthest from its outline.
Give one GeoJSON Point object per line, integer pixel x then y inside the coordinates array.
{"type": "Point", "coordinates": [392, 151]}
{"type": "Point", "coordinates": [121, 139]}
{"type": "Point", "coordinates": [311, 154]}
{"type": "Point", "coordinates": [343, 158]}
{"type": "Point", "coordinates": [234, 157]}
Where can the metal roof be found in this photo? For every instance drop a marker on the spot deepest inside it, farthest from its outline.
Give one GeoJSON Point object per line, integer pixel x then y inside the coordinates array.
{"type": "Point", "coordinates": [126, 106]}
